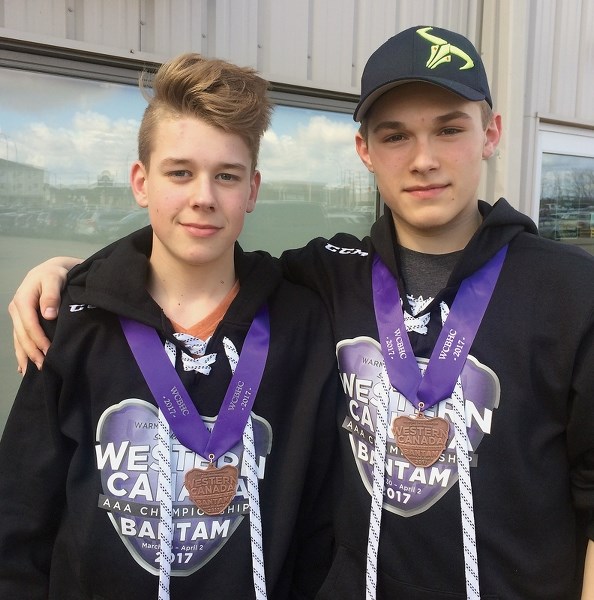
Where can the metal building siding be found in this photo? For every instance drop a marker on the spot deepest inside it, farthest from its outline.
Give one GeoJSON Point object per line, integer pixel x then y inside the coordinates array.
{"type": "Point", "coordinates": [169, 28]}
{"type": "Point", "coordinates": [320, 44]}
{"type": "Point", "coordinates": [46, 17]}
{"type": "Point", "coordinates": [557, 86]}
{"type": "Point", "coordinates": [283, 40]}
{"type": "Point", "coordinates": [584, 108]}
{"type": "Point", "coordinates": [111, 23]}
{"type": "Point", "coordinates": [236, 31]}
{"type": "Point", "coordinates": [562, 58]}
{"type": "Point", "coordinates": [333, 38]}
{"type": "Point", "coordinates": [566, 44]}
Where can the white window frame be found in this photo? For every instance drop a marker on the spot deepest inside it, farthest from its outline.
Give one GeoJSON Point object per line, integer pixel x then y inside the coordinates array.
{"type": "Point", "coordinates": [559, 139]}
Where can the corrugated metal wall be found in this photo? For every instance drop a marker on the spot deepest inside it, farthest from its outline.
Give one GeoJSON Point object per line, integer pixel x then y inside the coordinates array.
{"type": "Point", "coordinates": [557, 84]}
{"type": "Point", "coordinates": [562, 66]}
{"type": "Point", "coordinates": [539, 53]}
{"type": "Point", "coordinates": [321, 44]}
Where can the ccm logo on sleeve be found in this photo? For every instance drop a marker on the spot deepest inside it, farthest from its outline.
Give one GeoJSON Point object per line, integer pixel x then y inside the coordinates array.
{"type": "Point", "coordinates": [79, 307]}
{"type": "Point", "coordinates": [338, 250]}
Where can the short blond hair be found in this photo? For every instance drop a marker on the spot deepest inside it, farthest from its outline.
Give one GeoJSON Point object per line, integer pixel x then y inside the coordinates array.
{"type": "Point", "coordinates": [231, 98]}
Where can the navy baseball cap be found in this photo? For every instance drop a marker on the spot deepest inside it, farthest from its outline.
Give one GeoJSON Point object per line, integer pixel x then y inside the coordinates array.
{"type": "Point", "coordinates": [421, 53]}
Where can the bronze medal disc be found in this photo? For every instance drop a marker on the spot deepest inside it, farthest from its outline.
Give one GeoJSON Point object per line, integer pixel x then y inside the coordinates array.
{"type": "Point", "coordinates": [421, 439]}
{"type": "Point", "coordinates": [213, 488]}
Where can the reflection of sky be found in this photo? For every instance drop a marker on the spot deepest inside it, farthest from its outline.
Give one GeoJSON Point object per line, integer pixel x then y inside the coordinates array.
{"type": "Point", "coordinates": [567, 179]}
{"type": "Point", "coordinates": [76, 128]}
{"type": "Point", "coordinates": [25, 97]}
{"type": "Point", "coordinates": [564, 162]}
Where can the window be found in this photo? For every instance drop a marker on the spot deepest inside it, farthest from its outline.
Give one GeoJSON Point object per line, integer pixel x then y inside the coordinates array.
{"type": "Point", "coordinates": [66, 146]}
{"type": "Point", "coordinates": [566, 201]}
{"type": "Point", "coordinates": [312, 179]}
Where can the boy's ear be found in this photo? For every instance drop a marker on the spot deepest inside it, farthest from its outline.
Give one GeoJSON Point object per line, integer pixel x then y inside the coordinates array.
{"type": "Point", "coordinates": [254, 188]}
{"type": "Point", "coordinates": [492, 136]}
{"type": "Point", "coordinates": [138, 177]}
{"type": "Point", "coordinates": [363, 151]}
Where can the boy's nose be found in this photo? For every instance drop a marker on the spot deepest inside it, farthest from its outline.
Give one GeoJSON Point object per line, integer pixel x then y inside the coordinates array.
{"type": "Point", "coordinates": [203, 195]}
{"type": "Point", "coordinates": [424, 158]}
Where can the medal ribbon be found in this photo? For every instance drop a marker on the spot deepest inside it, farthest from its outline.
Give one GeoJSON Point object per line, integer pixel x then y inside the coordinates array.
{"type": "Point", "coordinates": [453, 344]}
{"type": "Point", "coordinates": [175, 402]}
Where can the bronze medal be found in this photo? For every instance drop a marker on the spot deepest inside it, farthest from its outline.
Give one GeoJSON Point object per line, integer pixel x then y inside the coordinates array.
{"type": "Point", "coordinates": [213, 488]}
{"type": "Point", "coordinates": [421, 439]}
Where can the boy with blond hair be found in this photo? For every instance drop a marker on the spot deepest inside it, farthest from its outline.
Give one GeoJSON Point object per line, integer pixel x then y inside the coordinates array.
{"type": "Point", "coordinates": [179, 439]}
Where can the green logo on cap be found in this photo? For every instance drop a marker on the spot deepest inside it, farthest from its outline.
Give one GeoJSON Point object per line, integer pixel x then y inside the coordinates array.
{"type": "Point", "coordinates": [442, 51]}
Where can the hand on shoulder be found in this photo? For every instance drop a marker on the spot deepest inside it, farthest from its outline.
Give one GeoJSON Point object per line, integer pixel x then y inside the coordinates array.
{"type": "Point", "coordinates": [39, 291]}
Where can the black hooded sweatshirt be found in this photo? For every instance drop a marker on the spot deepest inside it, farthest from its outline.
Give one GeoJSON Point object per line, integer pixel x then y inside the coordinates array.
{"type": "Point", "coordinates": [78, 511]}
{"type": "Point", "coordinates": [529, 395]}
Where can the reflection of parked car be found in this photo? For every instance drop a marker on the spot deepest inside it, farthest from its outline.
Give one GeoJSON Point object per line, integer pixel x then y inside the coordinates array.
{"type": "Point", "coordinates": [26, 223]}
{"type": "Point", "coordinates": [548, 227]}
{"type": "Point", "coordinates": [7, 219]}
{"type": "Point", "coordinates": [583, 223]}
{"type": "Point", "coordinates": [59, 221]}
{"type": "Point", "coordinates": [84, 226]}
{"type": "Point", "coordinates": [71, 219]}
{"type": "Point", "coordinates": [131, 222]}
{"type": "Point", "coordinates": [568, 226]}
{"type": "Point", "coordinates": [95, 224]}
{"type": "Point", "coordinates": [276, 226]}
{"type": "Point", "coordinates": [349, 221]}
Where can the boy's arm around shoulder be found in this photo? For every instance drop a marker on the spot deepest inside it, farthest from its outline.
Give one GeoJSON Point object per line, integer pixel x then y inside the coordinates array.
{"type": "Point", "coordinates": [39, 292]}
{"type": "Point", "coordinates": [325, 265]}
{"type": "Point", "coordinates": [33, 463]}
{"type": "Point", "coordinates": [307, 265]}
{"type": "Point", "coordinates": [301, 265]}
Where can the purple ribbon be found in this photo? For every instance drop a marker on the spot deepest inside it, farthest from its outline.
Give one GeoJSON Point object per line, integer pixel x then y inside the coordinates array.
{"type": "Point", "coordinates": [175, 402]}
{"type": "Point", "coordinates": [454, 342]}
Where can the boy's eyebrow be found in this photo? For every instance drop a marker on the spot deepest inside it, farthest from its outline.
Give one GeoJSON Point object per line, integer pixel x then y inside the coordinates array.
{"type": "Point", "coordinates": [446, 118]}
{"type": "Point", "coordinates": [177, 162]}
{"type": "Point", "coordinates": [455, 114]}
{"type": "Point", "coordinates": [236, 166]}
{"type": "Point", "coordinates": [388, 125]}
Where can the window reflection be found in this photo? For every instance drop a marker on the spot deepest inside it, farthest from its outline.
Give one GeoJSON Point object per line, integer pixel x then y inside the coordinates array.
{"type": "Point", "coordinates": [66, 146]}
{"type": "Point", "coordinates": [567, 199]}
{"type": "Point", "coordinates": [313, 182]}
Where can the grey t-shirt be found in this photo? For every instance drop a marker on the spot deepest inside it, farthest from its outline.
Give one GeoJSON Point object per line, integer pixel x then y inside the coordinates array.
{"type": "Point", "coordinates": [426, 274]}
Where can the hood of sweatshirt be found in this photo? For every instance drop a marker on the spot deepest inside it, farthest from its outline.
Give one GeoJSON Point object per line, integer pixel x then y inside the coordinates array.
{"type": "Point", "coordinates": [501, 224]}
{"type": "Point", "coordinates": [100, 281]}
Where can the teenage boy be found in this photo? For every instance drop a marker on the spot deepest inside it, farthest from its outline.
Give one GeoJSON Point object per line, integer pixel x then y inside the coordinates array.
{"type": "Point", "coordinates": [475, 480]}
{"type": "Point", "coordinates": [179, 437]}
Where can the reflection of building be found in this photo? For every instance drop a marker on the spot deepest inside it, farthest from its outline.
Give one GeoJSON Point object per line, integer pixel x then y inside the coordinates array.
{"type": "Point", "coordinates": [20, 184]}
{"type": "Point", "coordinates": [357, 194]}
{"type": "Point", "coordinates": [109, 194]}
{"type": "Point", "coordinates": [291, 190]}
{"type": "Point", "coordinates": [105, 179]}
{"type": "Point", "coordinates": [105, 193]}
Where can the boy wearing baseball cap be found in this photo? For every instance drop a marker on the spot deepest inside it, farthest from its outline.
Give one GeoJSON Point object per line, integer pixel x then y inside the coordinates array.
{"type": "Point", "coordinates": [465, 345]}
{"type": "Point", "coordinates": [468, 432]}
